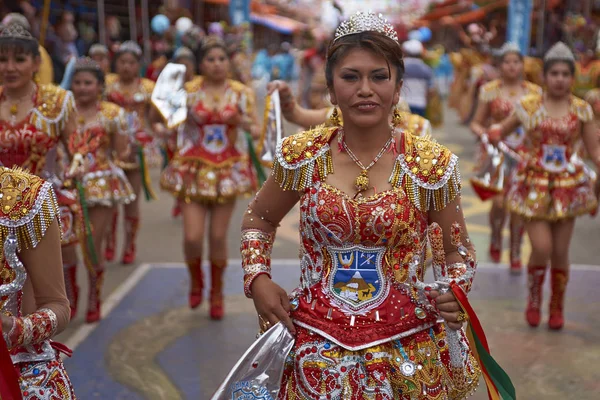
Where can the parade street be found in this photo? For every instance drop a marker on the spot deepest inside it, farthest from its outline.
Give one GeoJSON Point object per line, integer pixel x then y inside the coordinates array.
{"type": "Point", "coordinates": [150, 345]}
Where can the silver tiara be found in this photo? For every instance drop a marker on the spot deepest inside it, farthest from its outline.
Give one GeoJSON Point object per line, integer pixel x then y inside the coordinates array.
{"type": "Point", "coordinates": [16, 31]}
{"type": "Point", "coordinates": [132, 47]}
{"type": "Point", "coordinates": [366, 22]}
{"type": "Point", "coordinates": [508, 47]}
{"type": "Point", "coordinates": [559, 51]}
{"type": "Point", "coordinates": [98, 48]}
{"type": "Point", "coordinates": [183, 52]}
{"type": "Point", "coordinates": [87, 64]}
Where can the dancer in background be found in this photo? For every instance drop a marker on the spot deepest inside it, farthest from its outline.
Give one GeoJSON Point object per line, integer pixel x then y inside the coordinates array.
{"type": "Point", "coordinates": [551, 187]}
{"type": "Point", "coordinates": [35, 124]}
{"type": "Point", "coordinates": [34, 308]}
{"type": "Point", "coordinates": [497, 100]}
{"type": "Point", "coordinates": [209, 171]}
{"type": "Point", "coordinates": [99, 53]}
{"type": "Point", "coordinates": [102, 135]}
{"type": "Point", "coordinates": [128, 90]}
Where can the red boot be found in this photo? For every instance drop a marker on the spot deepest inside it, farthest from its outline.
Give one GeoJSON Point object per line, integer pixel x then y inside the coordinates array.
{"type": "Point", "coordinates": [94, 302]}
{"type": "Point", "coordinates": [196, 282]}
{"type": "Point", "coordinates": [516, 242]}
{"type": "Point", "coordinates": [70, 272]}
{"type": "Point", "coordinates": [131, 229]}
{"type": "Point", "coordinates": [536, 281]}
{"type": "Point", "coordinates": [496, 223]}
{"type": "Point", "coordinates": [176, 211]}
{"type": "Point", "coordinates": [216, 289]}
{"type": "Point", "coordinates": [558, 280]}
{"type": "Point", "coordinates": [111, 239]}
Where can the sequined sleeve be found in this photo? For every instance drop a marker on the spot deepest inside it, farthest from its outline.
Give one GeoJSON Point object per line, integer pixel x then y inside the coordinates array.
{"type": "Point", "coordinates": [529, 111]}
{"type": "Point", "coordinates": [53, 109]}
{"type": "Point", "coordinates": [489, 91]}
{"type": "Point", "coordinates": [428, 172]}
{"type": "Point", "coordinates": [300, 156]}
{"type": "Point", "coordinates": [28, 214]}
{"type": "Point", "coordinates": [582, 109]}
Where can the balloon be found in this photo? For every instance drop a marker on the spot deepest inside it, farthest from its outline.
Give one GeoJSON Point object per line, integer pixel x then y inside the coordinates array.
{"type": "Point", "coordinates": [415, 35]}
{"type": "Point", "coordinates": [183, 24]}
{"type": "Point", "coordinates": [160, 24]}
{"type": "Point", "coordinates": [425, 33]}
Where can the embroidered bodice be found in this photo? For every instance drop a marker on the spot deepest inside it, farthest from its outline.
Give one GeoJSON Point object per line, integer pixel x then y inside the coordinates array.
{"type": "Point", "coordinates": [133, 102]}
{"type": "Point", "coordinates": [27, 208]}
{"type": "Point", "coordinates": [354, 286]}
{"type": "Point", "coordinates": [214, 141]}
{"type": "Point", "coordinates": [502, 107]}
{"type": "Point", "coordinates": [94, 140]}
{"type": "Point", "coordinates": [551, 143]}
{"type": "Point", "coordinates": [31, 143]}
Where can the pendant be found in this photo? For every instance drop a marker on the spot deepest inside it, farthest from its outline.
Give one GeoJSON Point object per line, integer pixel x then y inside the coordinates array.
{"type": "Point", "coordinates": [14, 109]}
{"type": "Point", "coordinates": [362, 181]}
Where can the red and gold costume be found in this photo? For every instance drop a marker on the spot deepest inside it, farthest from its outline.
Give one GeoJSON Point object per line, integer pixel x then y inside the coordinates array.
{"type": "Point", "coordinates": [586, 78]}
{"type": "Point", "coordinates": [210, 165]}
{"type": "Point", "coordinates": [551, 183]}
{"type": "Point", "coordinates": [28, 207]}
{"type": "Point", "coordinates": [363, 330]}
{"type": "Point", "coordinates": [34, 144]}
{"type": "Point", "coordinates": [105, 183]}
{"type": "Point", "coordinates": [136, 104]}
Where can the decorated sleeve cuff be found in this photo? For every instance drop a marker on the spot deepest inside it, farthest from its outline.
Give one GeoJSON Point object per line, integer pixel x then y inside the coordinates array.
{"type": "Point", "coordinates": [32, 329]}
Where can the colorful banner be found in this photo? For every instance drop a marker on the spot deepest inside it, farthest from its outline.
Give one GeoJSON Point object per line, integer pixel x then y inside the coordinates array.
{"type": "Point", "coordinates": [519, 24]}
{"type": "Point", "coordinates": [239, 12]}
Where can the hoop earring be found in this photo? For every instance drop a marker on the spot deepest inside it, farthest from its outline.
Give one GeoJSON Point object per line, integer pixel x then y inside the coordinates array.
{"type": "Point", "coordinates": [397, 119]}
{"type": "Point", "coordinates": [334, 118]}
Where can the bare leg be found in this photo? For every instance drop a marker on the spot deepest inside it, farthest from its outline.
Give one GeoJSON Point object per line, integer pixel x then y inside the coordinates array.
{"type": "Point", "coordinates": [219, 225]}
{"type": "Point", "coordinates": [562, 232]}
{"type": "Point", "coordinates": [100, 219]}
{"type": "Point", "coordinates": [194, 222]}
{"type": "Point", "coordinates": [540, 235]}
{"type": "Point", "coordinates": [132, 217]}
{"type": "Point", "coordinates": [516, 242]}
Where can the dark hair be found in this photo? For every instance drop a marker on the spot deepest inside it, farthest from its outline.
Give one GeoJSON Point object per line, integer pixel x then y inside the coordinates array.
{"type": "Point", "coordinates": [19, 46]}
{"type": "Point", "coordinates": [208, 45]}
{"type": "Point", "coordinates": [517, 53]}
{"type": "Point", "coordinates": [550, 63]}
{"type": "Point", "coordinates": [375, 42]}
{"type": "Point", "coordinates": [97, 72]}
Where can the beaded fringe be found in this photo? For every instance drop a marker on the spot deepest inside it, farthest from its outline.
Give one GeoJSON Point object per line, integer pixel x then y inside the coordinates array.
{"type": "Point", "coordinates": [300, 178]}
{"type": "Point", "coordinates": [424, 196]}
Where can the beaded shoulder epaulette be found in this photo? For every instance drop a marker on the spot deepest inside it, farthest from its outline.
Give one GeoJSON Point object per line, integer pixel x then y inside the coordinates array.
{"type": "Point", "coordinates": [299, 156]}
{"type": "Point", "coordinates": [113, 117]}
{"type": "Point", "coordinates": [531, 112]}
{"type": "Point", "coordinates": [27, 207]}
{"type": "Point", "coordinates": [428, 172]}
{"type": "Point", "coordinates": [54, 106]}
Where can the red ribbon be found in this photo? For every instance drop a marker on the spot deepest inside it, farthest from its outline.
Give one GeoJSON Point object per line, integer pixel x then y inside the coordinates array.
{"type": "Point", "coordinates": [9, 377]}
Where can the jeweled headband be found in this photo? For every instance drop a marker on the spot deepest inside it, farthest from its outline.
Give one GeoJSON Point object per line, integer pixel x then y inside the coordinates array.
{"type": "Point", "coordinates": [366, 22]}
{"type": "Point", "coordinates": [98, 48]}
{"type": "Point", "coordinates": [559, 51]}
{"type": "Point", "coordinates": [508, 47]}
{"type": "Point", "coordinates": [16, 31]}
{"type": "Point", "coordinates": [86, 64]}
{"type": "Point", "coordinates": [130, 47]}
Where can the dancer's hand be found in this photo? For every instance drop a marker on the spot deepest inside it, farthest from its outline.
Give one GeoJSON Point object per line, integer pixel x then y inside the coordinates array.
{"type": "Point", "coordinates": [449, 308]}
{"type": "Point", "coordinates": [285, 95]}
{"type": "Point", "coordinates": [271, 303]}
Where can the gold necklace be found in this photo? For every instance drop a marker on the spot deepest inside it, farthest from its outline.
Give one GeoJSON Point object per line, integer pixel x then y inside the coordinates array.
{"type": "Point", "coordinates": [14, 108]}
{"type": "Point", "coordinates": [361, 183]}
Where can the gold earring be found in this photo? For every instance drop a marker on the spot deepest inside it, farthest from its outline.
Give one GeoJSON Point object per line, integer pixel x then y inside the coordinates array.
{"type": "Point", "coordinates": [396, 117]}
{"type": "Point", "coordinates": [334, 118]}
{"type": "Point", "coordinates": [36, 78]}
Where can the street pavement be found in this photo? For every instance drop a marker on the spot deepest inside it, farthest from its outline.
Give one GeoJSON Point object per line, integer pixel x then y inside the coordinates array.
{"type": "Point", "coordinates": [151, 346]}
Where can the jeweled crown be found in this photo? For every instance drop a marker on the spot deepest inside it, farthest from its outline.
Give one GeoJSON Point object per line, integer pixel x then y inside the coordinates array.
{"type": "Point", "coordinates": [16, 31]}
{"type": "Point", "coordinates": [366, 22]}
{"type": "Point", "coordinates": [86, 63]}
{"type": "Point", "coordinates": [132, 47]}
{"type": "Point", "coordinates": [559, 51]}
{"type": "Point", "coordinates": [98, 48]}
{"type": "Point", "coordinates": [508, 47]}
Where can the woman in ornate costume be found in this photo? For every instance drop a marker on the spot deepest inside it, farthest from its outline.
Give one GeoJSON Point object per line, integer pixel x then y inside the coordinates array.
{"type": "Point", "coordinates": [99, 53]}
{"type": "Point", "coordinates": [551, 187]}
{"type": "Point", "coordinates": [128, 90]}
{"type": "Point", "coordinates": [361, 328]}
{"type": "Point", "coordinates": [35, 124]}
{"type": "Point", "coordinates": [497, 100]}
{"type": "Point", "coordinates": [102, 135]}
{"type": "Point", "coordinates": [209, 170]}
{"type": "Point", "coordinates": [306, 118]}
{"type": "Point", "coordinates": [34, 307]}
